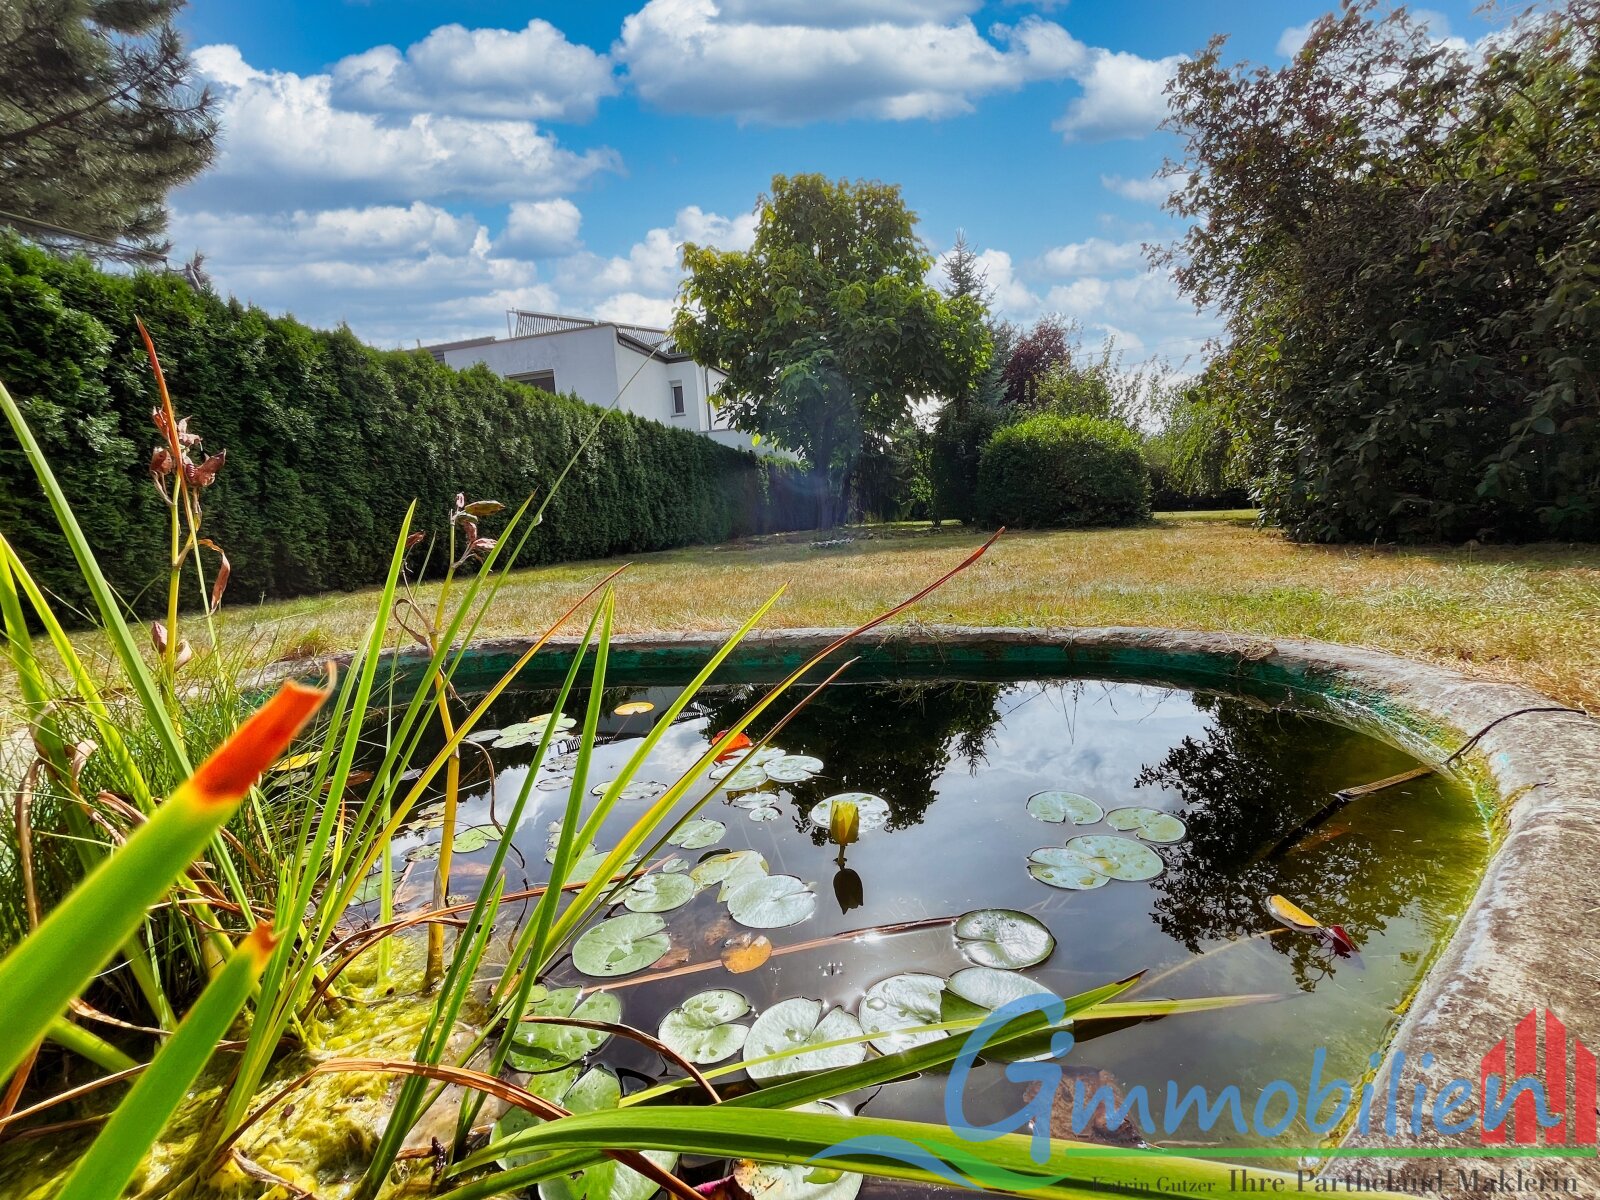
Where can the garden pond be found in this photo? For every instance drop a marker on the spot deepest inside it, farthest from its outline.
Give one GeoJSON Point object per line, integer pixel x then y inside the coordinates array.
{"type": "Point", "coordinates": [1091, 829]}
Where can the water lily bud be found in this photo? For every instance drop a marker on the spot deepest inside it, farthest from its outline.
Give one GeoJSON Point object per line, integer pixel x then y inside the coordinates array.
{"type": "Point", "coordinates": [844, 822]}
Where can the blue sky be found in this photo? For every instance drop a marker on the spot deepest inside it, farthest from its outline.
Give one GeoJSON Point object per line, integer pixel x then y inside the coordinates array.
{"type": "Point", "coordinates": [416, 168]}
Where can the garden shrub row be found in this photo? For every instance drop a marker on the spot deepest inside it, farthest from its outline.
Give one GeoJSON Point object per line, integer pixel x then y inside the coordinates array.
{"type": "Point", "coordinates": [328, 442]}
{"type": "Point", "coordinates": [1052, 471]}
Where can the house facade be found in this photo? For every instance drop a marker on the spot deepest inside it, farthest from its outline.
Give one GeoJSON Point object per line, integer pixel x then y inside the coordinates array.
{"type": "Point", "coordinates": [636, 366]}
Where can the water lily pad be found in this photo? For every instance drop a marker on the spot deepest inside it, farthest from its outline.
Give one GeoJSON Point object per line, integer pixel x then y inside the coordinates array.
{"type": "Point", "coordinates": [902, 1002]}
{"type": "Point", "coordinates": [524, 733]}
{"type": "Point", "coordinates": [787, 1181]}
{"type": "Point", "coordinates": [1118, 857]}
{"type": "Point", "coordinates": [555, 836]}
{"type": "Point", "coordinates": [674, 864]}
{"type": "Point", "coordinates": [1064, 806]}
{"type": "Point", "coordinates": [564, 762]}
{"type": "Point", "coordinates": [515, 1120]}
{"type": "Point", "coordinates": [730, 869]}
{"type": "Point", "coordinates": [1149, 824]}
{"type": "Point", "coordinates": [746, 778]}
{"type": "Point", "coordinates": [553, 1086]}
{"type": "Point", "coordinates": [474, 838]}
{"type": "Point", "coordinates": [555, 783]}
{"type": "Point", "coordinates": [1003, 937]}
{"type": "Point", "coordinates": [423, 853]}
{"type": "Point", "coordinates": [986, 988]}
{"type": "Point", "coordinates": [698, 834]}
{"type": "Point", "coordinates": [702, 1029]}
{"type": "Point", "coordinates": [771, 902]}
{"type": "Point", "coordinates": [1063, 868]}
{"type": "Point", "coordinates": [764, 812]}
{"type": "Point", "coordinates": [563, 722]}
{"type": "Point", "coordinates": [633, 708]}
{"type": "Point", "coordinates": [546, 1046]}
{"type": "Point", "coordinates": [596, 1091]}
{"type": "Point", "coordinates": [792, 768]}
{"type": "Point", "coordinates": [369, 890]}
{"type": "Point", "coordinates": [591, 864]}
{"type": "Point", "coordinates": [793, 1025]}
{"type": "Point", "coordinates": [482, 735]}
{"type": "Point", "coordinates": [622, 945]}
{"type": "Point", "coordinates": [658, 892]}
{"type": "Point", "coordinates": [642, 790]}
{"type": "Point", "coordinates": [873, 811]}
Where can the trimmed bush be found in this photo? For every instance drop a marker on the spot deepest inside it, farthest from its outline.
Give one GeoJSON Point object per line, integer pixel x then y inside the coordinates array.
{"type": "Point", "coordinates": [1063, 471]}
{"type": "Point", "coordinates": [328, 441]}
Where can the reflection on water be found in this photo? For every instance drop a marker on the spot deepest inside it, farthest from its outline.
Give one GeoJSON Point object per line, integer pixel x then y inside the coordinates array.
{"type": "Point", "coordinates": [1245, 784]}
{"type": "Point", "coordinates": [956, 762]}
{"type": "Point", "coordinates": [893, 740]}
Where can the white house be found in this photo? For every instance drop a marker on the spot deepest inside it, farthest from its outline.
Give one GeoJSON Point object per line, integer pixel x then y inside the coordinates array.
{"type": "Point", "coordinates": [636, 366]}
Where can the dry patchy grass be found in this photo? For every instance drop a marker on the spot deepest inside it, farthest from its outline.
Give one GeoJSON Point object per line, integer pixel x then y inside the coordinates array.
{"type": "Point", "coordinates": [1529, 613]}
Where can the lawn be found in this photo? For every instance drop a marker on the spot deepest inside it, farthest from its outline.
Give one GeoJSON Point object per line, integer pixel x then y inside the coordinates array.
{"type": "Point", "coordinates": [1529, 613]}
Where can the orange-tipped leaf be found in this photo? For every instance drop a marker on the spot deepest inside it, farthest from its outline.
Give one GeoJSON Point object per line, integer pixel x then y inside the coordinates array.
{"type": "Point", "coordinates": [40, 977]}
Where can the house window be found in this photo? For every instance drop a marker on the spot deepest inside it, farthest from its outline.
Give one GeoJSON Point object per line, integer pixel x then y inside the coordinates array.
{"type": "Point", "coordinates": [677, 400]}
{"type": "Point", "coordinates": [545, 381]}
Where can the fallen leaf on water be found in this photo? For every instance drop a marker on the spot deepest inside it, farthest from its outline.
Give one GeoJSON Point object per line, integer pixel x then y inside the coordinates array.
{"type": "Point", "coordinates": [1343, 943]}
{"type": "Point", "coordinates": [1288, 913]}
{"type": "Point", "coordinates": [745, 953]}
{"type": "Point", "coordinates": [1291, 914]}
{"type": "Point", "coordinates": [739, 742]}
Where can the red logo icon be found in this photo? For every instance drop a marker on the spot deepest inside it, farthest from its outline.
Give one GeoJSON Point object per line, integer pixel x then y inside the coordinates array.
{"type": "Point", "coordinates": [1567, 1084]}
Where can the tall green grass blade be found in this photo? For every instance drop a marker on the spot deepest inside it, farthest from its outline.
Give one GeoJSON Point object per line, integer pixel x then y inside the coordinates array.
{"type": "Point", "coordinates": [105, 598]}
{"type": "Point", "coordinates": [81, 1042]}
{"type": "Point", "coordinates": [79, 936]}
{"type": "Point", "coordinates": [138, 1120]}
{"type": "Point", "coordinates": [1075, 1170]}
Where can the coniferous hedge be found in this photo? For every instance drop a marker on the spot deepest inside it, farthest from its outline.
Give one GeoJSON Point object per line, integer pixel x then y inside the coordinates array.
{"type": "Point", "coordinates": [328, 442]}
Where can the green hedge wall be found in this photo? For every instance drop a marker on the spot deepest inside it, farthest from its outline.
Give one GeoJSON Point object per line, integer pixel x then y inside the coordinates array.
{"type": "Point", "coordinates": [328, 441]}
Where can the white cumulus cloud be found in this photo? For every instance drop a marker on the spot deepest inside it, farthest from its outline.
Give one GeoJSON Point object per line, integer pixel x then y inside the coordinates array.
{"type": "Point", "coordinates": [533, 73]}
{"type": "Point", "coordinates": [641, 284]}
{"type": "Point", "coordinates": [1093, 256]}
{"type": "Point", "coordinates": [1152, 190]}
{"type": "Point", "coordinates": [396, 275]}
{"type": "Point", "coordinates": [844, 14]}
{"type": "Point", "coordinates": [892, 61]}
{"type": "Point", "coordinates": [1124, 96]}
{"type": "Point", "coordinates": [287, 142]}
{"type": "Point", "coordinates": [539, 228]}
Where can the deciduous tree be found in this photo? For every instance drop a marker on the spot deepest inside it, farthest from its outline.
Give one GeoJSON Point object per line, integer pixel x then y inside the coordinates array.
{"type": "Point", "coordinates": [827, 327]}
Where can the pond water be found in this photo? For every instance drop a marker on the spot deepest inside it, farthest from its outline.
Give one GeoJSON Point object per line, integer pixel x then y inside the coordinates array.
{"type": "Point", "coordinates": [955, 763]}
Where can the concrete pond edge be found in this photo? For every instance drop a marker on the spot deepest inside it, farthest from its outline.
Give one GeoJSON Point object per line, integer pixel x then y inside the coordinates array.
{"type": "Point", "coordinates": [1527, 940]}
